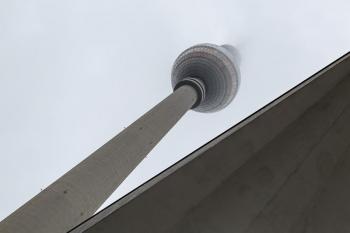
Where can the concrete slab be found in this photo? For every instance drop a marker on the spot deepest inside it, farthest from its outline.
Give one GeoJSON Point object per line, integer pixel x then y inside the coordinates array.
{"type": "Point", "coordinates": [262, 175]}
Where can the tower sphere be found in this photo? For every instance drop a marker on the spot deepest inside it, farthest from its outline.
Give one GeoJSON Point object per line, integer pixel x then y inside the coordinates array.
{"type": "Point", "coordinates": [212, 70]}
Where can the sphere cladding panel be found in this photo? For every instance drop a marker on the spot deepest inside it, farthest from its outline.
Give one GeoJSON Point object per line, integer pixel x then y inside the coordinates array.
{"type": "Point", "coordinates": [215, 66]}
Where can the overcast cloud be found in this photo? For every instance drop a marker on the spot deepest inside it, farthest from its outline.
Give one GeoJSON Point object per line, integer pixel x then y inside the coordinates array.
{"type": "Point", "coordinates": [74, 73]}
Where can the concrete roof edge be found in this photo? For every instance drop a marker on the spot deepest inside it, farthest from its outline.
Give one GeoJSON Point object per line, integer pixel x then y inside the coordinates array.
{"type": "Point", "coordinates": [162, 175]}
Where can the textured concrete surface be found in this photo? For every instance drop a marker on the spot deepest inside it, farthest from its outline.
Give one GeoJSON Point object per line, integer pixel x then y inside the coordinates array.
{"type": "Point", "coordinates": [81, 191]}
{"type": "Point", "coordinates": [330, 210]}
{"type": "Point", "coordinates": [283, 169]}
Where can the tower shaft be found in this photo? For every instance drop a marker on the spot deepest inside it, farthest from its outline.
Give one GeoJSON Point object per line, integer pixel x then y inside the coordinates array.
{"type": "Point", "coordinates": [77, 195]}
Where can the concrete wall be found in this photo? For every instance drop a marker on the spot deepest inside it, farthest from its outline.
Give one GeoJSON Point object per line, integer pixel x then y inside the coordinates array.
{"type": "Point", "coordinates": [273, 172]}
{"type": "Point", "coordinates": [270, 191]}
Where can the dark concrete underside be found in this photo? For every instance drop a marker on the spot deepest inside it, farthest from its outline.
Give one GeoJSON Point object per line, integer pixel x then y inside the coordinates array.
{"type": "Point", "coordinates": [286, 168]}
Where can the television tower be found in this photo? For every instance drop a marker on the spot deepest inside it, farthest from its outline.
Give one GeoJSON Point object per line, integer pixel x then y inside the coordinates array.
{"type": "Point", "coordinates": [205, 78]}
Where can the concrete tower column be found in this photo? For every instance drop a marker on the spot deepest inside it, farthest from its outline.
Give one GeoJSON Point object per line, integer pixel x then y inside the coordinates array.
{"type": "Point", "coordinates": [204, 77]}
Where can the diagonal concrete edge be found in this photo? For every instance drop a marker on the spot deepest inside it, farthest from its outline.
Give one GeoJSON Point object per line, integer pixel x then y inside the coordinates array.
{"type": "Point", "coordinates": [171, 194]}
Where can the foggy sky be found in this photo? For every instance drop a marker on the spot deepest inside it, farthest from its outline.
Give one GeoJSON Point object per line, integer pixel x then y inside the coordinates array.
{"type": "Point", "coordinates": [74, 73]}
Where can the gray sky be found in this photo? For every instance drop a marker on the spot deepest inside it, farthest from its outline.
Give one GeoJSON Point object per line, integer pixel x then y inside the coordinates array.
{"type": "Point", "coordinates": [74, 73]}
